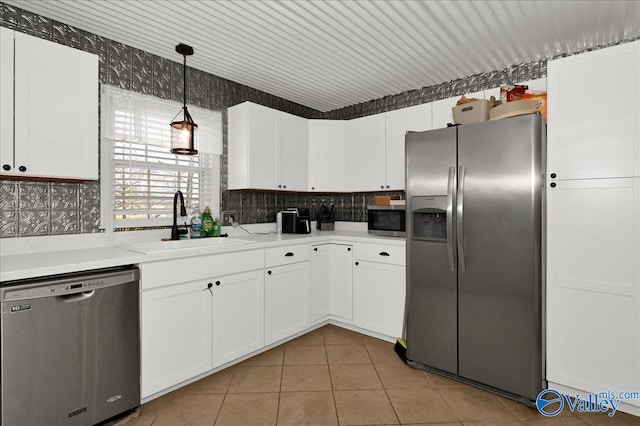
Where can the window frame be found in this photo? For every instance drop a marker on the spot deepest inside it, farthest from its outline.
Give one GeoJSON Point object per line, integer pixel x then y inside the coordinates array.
{"type": "Point", "coordinates": [213, 148]}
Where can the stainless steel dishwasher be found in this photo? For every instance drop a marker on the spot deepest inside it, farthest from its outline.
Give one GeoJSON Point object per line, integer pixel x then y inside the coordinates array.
{"type": "Point", "coordinates": [70, 348]}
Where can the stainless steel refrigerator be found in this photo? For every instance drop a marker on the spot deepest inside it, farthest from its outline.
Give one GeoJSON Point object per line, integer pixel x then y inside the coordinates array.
{"type": "Point", "coordinates": [475, 242]}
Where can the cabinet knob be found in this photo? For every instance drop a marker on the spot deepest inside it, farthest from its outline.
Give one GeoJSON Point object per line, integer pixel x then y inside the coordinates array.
{"type": "Point", "coordinates": [217, 282]}
{"type": "Point", "coordinates": [269, 272]}
{"type": "Point", "coordinates": [381, 186]}
{"type": "Point", "coordinates": [315, 249]}
{"type": "Point", "coordinates": [357, 263]}
{"type": "Point", "coordinates": [279, 186]}
{"type": "Point", "coordinates": [209, 285]}
{"type": "Point", "coordinates": [22, 168]}
{"type": "Point", "coordinates": [553, 175]}
{"type": "Point", "coordinates": [284, 186]}
{"type": "Point", "coordinates": [6, 167]}
{"type": "Point", "coordinates": [387, 186]}
{"type": "Point", "coordinates": [313, 188]}
{"type": "Point", "coordinates": [553, 184]}
{"type": "Point", "coordinates": [348, 248]}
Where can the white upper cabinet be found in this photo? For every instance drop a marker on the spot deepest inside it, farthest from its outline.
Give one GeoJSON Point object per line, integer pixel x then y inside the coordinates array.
{"type": "Point", "coordinates": [50, 104]}
{"type": "Point", "coordinates": [365, 154]}
{"type": "Point", "coordinates": [327, 155]}
{"type": "Point", "coordinates": [6, 100]}
{"type": "Point", "coordinates": [292, 152]}
{"type": "Point", "coordinates": [267, 148]}
{"type": "Point", "coordinates": [593, 114]}
{"type": "Point", "coordinates": [252, 144]}
{"type": "Point", "coordinates": [398, 123]}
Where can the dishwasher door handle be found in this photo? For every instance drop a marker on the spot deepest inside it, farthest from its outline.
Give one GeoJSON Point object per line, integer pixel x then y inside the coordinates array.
{"type": "Point", "coordinates": [68, 298]}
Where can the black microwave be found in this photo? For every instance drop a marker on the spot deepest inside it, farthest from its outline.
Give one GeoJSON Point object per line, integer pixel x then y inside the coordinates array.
{"type": "Point", "coordinates": [386, 220]}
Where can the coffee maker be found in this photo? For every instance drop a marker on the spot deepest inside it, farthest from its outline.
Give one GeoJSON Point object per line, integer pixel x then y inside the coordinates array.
{"type": "Point", "coordinates": [296, 221]}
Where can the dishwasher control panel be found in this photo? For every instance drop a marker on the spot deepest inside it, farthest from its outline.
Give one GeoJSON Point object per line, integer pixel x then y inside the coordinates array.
{"type": "Point", "coordinates": [64, 287]}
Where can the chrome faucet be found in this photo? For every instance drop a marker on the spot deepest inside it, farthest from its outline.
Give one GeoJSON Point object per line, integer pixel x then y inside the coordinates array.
{"type": "Point", "coordinates": [175, 233]}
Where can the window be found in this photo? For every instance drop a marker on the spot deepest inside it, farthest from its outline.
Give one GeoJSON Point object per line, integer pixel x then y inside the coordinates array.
{"type": "Point", "coordinates": [139, 173]}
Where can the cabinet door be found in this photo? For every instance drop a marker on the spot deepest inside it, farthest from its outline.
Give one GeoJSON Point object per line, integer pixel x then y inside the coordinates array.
{"type": "Point", "coordinates": [238, 312]}
{"type": "Point", "coordinates": [593, 284]}
{"type": "Point", "coordinates": [292, 152]}
{"type": "Point", "coordinates": [320, 279]}
{"type": "Point", "coordinates": [56, 110]}
{"type": "Point", "coordinates": [326, 155]}
{"type": "Point", "coordinates": [175, 335]}
{"type": "Point", "coordinates": [379, 295]}
{"type": "Point", "coordinates": [286, 301]}
{"type": "Point", "coordinates": [593, 129]}
{"type": "Point", "coordinates": [252, 146]}
{"type": "Point", "coordinates": [341, 281]}
{"type": "Point", "coordinates": [263, 147]}
{"type": "Point", "coordinates": [365, 154]}
{"type": "Point", "coordinates": [398, 123]}
{"type": "Point", "coordinates": [6, 101]}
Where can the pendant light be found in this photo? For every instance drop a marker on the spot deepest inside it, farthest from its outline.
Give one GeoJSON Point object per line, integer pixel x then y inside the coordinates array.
{"type": "Point", "coordinates": [183, 132]}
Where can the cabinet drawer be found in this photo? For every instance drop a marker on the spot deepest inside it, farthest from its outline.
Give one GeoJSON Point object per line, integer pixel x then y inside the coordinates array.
{"type": "Point", "coordinates": [286, 255]}
{"type": "Point", "coordinates": [157, 274]}
{"type": "Point", "coordinates": [394, 255]}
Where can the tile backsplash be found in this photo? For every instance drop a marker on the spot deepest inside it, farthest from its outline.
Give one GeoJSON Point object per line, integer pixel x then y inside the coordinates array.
{"type": "Point", "coordinates": [262, 206]}
{"type": "Point", "coordinates": [48, 208]}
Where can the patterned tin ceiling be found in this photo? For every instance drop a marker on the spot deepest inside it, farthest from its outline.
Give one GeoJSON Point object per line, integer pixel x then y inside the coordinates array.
{"type": "Point", "coordinates": [330, 54]}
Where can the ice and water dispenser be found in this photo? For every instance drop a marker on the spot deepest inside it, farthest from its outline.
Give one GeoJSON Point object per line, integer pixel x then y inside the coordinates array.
{"type": "Point", "coordinates": [429, 216]}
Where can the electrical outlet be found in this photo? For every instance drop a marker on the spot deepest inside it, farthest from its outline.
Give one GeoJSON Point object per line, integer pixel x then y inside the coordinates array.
{"type": "Point", "coordinates": [227, 217]}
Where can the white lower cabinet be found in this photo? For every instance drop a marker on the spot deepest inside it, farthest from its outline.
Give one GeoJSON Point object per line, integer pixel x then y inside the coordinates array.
{"type": "Point", "coordinates": [320, 279]}
{"type": "Point", "coordinates": [379, 291]}
{"type": "Point", "coordinates": [286, 300]}
{"type": "Point", "coordinates": [332, 281]}
{"type": "Point", "coordinates": [379, 288]}
{"type": "Point", "coordinates": [341, 281]}
{"type": "Point", "coordinates": [189, 328]}
{"type": "Point", "coordinates": [238, 312]}
{"type": "Point", "coordinates": [287, 291]}
{"type": "Point", "coordinates": [593, 284]}
{"type": "Point", "coordinates": [176, 325]}
{"type": "Point", "coordinates": [199, 313]}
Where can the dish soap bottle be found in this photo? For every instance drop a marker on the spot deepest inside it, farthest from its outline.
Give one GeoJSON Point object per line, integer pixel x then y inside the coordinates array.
{"type": "Point", "coordinates": [207, 223]}
{"type": "Point", "coordinates": [196, 223]}
{"type": "Point", "coordinates": [217, 227]}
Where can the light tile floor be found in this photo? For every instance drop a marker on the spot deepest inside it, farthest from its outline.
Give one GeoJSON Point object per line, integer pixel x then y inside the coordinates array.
{"type": "Point", "coordinates": [333, 376]}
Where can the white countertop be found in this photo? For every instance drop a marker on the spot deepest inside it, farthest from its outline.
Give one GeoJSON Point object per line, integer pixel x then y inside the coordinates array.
{"type": "Point", "coordinates": [39, 264]}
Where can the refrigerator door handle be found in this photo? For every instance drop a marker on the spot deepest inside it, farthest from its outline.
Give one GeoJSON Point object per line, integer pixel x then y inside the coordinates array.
{"type": "Point", "coordinates": [450, 195]}
{"type": "Point", "coordinates": [460, 218]}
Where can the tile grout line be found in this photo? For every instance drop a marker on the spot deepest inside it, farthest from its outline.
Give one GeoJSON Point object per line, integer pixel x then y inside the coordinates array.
{"type": "Point", "coordinates": [384, 388]}
{"type": "Point", "coordinates": [226, 392]}
{"type": "Point", "coordinates": [280, 388]}
{"type": "Point", "coordinates": [333, 393]}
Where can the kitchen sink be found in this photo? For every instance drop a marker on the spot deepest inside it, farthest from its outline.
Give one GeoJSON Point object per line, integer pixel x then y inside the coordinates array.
{"type": "Point", "coordinates": [162, 246]}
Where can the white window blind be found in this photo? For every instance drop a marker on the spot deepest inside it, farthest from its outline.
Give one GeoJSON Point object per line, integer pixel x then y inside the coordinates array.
{"type": "Point", "coordinates": [140, 174]}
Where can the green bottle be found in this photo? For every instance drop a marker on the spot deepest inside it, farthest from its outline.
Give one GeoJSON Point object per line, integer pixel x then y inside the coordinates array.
{"type": "Point", "coordinates": [207, 223]}
{"type": "Point", "coordinates": [217, 227]}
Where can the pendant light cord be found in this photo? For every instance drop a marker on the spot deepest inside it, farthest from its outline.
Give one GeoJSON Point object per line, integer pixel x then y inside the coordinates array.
{"type": "Point", "coordinates": [184, 84]}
